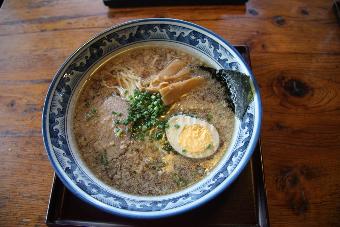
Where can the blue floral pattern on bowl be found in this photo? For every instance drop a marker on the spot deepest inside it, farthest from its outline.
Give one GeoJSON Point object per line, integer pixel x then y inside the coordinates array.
{"type": "Point", "coordinates": [56, 138]}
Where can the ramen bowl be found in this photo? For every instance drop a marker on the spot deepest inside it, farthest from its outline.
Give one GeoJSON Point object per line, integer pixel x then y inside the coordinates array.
{"type": "Point", "coordinates": [60, 100]}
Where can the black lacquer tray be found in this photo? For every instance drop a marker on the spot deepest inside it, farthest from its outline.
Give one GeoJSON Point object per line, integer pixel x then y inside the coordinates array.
{"type": "Point", "coordinates": [244, 203]}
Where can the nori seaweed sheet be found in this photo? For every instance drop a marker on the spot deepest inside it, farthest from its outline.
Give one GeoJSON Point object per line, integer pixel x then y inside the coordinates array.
{"type": "Point", "coordinates": [239, 90]}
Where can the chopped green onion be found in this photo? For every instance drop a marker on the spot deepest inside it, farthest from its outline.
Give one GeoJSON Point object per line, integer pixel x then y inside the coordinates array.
{"type": "Point", "coordinates": [91, 114]}
{"type": "Point", "coordinates": [179, 180]}
{"type": "Point", "coordinates": [144, 110]}
{"type": "Point", "coordinates": [103, 158]}
{"type": "Point", "coordinates": [118, 131]}
{"type": "Point", "coordinates": [209, 117]}
{"type": "Point", "coordinates": [167, 147]}
{"type": "Point", "coordinates": [117, 113]}
{"type": "Point", "coordinates": [87, 103]}
{"type": "Point", "coordinates": [159, 135]}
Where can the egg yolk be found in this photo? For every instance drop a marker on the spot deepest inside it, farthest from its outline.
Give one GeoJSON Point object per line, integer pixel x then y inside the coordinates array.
{"type": "Point", "coordinates": [195, 138]}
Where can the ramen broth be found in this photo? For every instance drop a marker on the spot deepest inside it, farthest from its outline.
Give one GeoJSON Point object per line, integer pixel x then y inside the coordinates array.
{"type": "Point", "coordinates": [142, 166]}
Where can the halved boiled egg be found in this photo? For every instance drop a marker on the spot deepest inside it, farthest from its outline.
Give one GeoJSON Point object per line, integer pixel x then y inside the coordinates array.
{"type": "Point", "coordinates": [192, 137]}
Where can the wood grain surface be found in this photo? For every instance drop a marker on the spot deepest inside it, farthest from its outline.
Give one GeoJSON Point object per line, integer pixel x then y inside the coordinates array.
{"type": "Point", "coordinates": [295, 54]}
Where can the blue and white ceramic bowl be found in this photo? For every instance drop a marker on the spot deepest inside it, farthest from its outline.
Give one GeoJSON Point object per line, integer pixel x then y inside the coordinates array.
{"type": "Point", "coordinates": [59, 105]}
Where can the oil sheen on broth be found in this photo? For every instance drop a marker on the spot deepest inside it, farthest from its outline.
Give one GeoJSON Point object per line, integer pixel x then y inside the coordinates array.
{"type": "Point", "coordinates": [199, 123]}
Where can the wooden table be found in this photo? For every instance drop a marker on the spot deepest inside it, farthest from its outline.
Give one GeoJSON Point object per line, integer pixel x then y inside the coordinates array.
{"type": "Point", "coordinates": [295, 53]}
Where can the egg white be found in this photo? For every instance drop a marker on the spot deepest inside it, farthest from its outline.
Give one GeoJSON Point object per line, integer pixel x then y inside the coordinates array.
{"type": "Point", "coordinates": [176, 126]}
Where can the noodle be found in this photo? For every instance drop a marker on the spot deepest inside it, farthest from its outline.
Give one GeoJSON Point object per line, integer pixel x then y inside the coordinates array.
{"type": "Point", "coordinates": [124, 79]}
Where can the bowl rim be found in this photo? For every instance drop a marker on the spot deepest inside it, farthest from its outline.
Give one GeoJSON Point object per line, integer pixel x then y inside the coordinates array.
{"type": "Point", "coordinates": [156, 214]}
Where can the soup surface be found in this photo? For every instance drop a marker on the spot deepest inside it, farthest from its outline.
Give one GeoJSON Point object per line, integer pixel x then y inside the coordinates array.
{"type": "Point", "coordinates": [180, 139]}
